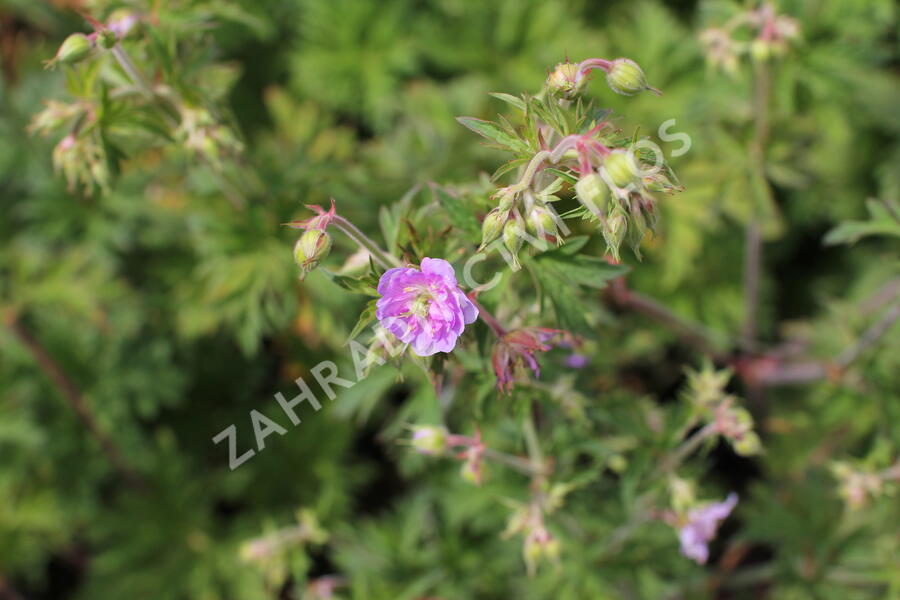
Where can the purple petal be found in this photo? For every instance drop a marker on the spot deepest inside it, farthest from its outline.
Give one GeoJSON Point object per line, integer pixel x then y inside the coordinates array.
{"type": "Point", "coordinates": [439, 266]}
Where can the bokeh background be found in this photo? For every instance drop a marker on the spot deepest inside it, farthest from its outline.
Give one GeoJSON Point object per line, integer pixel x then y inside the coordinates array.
{"type": "Point", "coordinates": [140, 321]}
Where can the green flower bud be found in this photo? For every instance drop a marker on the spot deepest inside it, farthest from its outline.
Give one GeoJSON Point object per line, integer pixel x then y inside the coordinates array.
{"type": "Point", "coordinates": [592, 192]}
{"type": "Point", "coordinates": [513, 232]}
{"type": "Point", "coordinates": [473, 471]}
{"type": "Point", "coordinates": [564, 80]}
{"type": "Point", "coordinates": [627, 78]}
{"type": "Point", "coordinates": [430, 439]}
{"type": "Point", "coordinates": [621, 168]}
{"type": "Point", "coordinates": [617, 463]}
{"type": "Point", "coordinates": [312, 247]}
{"type": "Point", "coordinates": [760, 50]}
{"type": "Point", "coordinates": [75, 48]}
{"type": "Point", "coordinates": [614, 230]}
{"type": "Point", "coordinates": [492, 225]}
{"type": "Point", "coordinates": [748, 445]}
{"type": "Point", "coordinates": [540, 221]}
{"type": "Point", "coordinates": [512, 235]}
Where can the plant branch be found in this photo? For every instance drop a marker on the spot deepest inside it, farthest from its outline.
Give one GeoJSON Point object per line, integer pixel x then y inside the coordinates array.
{"type": "Point", "coordinates": [768, 372]}
{"type": "Point", "coordinates": [515, 462]}
{"type": "Point", "coordinates": [693, 334]}
{"type": "Point", "coordinates": [382, 257]}
{"type": "Point", "coordinates": [489, 319]}
{"type": "Point", "coordinates": [753, 233]}
{"type": "Point", "coordinates": [70, 392]}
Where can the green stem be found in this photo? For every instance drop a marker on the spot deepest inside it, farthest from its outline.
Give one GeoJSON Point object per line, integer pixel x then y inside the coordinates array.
{"type": "Point", "coordinates": [531, 169]}
{"type": "Point", "coordinates": [383, 258]}
{"type": "Point", "coordinates": [753, 232]}
{"type": "Point", "coordinates": [531, 441]}
{"type": "Point", "coordinates": [519, 464]}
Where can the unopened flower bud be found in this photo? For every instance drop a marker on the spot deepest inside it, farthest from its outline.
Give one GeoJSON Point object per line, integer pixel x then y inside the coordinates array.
{"type": "Point", "coordinates": [430, 439]}
{"type": "Point", "coordinates": [312, 247]}
{"type": "Point", "coordinates": [748, 445]}
{"type": "Point", "coordinates": [512, 238]}
{"type": "Point", "coordinates": [627, 78]}
{"type": "Point", "coordinates": [122, 22]}
{"type": "Point", "coordinates": [539, 544]}
{"type": "Point", "coordinates": [682, 494]}
{"type": "Point", "coordinates": [760, 50]}
{"type": "Point", "coordinates": [617, 463]}
{"type": "Point", "coordinates": [621, 168]}
{"type": "Point", "coordinates": [75, 48]}
{"type": "Point", "coordinates": [106, 38]}
{"type": "Point", "coordinates": [564, 80]}
{"type": "Point", "coordinates": [492, 226]}
{"type": "Point", "coordinates": [614, 230]}
{"type": "Point", "coordinates": [592, 192]}
{"type": "Point", "coordinates": [540, 221]}
{"type": "Point", "coordinates": [473, 469]}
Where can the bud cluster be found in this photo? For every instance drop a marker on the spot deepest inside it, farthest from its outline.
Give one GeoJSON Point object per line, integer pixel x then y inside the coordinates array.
{"type": "Point", "coordinates": [706, 392]}
{"type": "Point", "coordinates": [204, 135]}
{"type": "Point", "coordinates": [735, 423]}
{"type": "Point", "coordinates": [435, 440]}
{"type": "Point", "coordinates": [539, 543]}
{"type": "Point", "coordinates": [858, 486]}
{"type": "Point", "coordinates": [623, 76]}
{"type": "Point", "coordinates": [521, 214]}
{"type": "Point", "coordinates": [772, 35]}
{"type": "Point", "coordinates": [81, 159]}
{"type": "Point", "coordinates": [612, 184]}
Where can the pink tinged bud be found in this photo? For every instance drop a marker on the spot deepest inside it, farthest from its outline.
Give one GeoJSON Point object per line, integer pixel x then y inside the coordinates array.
{"type": "Point", "coordinates": [539, 544]}
{"type": "Point", "coordinates": [627, 78]}
{"type": "Point", "coordinates": [474, 469]}
{"type": "Point", "coordinates": [424, 306]}
{"type": "Point", "coordinates": [312, 248]}
{"type": "Point", "coordinates": [121, 22]}
{"type": "Point", "coordinates": [430, 439]}
{"type": "Point", "coordinates": [701, 526]}
{"type": "Point", "coordinates": [565, 80]}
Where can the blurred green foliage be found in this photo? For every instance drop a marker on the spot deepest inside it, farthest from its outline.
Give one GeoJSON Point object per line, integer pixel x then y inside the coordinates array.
{"type": "Point", "coordinates": [168, 300]}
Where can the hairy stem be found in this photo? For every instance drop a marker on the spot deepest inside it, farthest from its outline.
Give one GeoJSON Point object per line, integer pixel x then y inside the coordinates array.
{"type": "Point", "coordinates": [383, 258]}
{"type": "Point", "coordinates": [691, 333]}
{"type": "Point", "coordinates": [489, 319]}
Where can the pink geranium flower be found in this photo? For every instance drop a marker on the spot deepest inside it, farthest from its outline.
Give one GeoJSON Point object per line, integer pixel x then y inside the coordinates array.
{"type": "Point", "coordinates": [424, 307]}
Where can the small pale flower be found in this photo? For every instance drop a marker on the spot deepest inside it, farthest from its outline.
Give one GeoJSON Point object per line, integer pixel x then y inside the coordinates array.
{"type": "Point", "coordinates": [701, 527]}
{"type": "Point", "coordinates": [424, 307]}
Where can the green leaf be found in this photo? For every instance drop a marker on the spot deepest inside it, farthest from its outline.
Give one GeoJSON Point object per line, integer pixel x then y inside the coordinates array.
{"type": "Point", "coordinates": [569, 310]}
{"type": "Point", "coordinates": [509, 99]}
{"type": "Point", "coordinates": [357, 285]}
{"type": "Point", "coordinates": [884, 220]}
{"type": "Point", "coordinates": [493, 132]}
{"type": "Point", "coordinates": [588, 271]}
{"type": "Point", "coordinates": [563, 175]}
{"type": "Point", "coordinates": [459, 212]}
{"type": "Point", "coordinates": [366, 317]}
